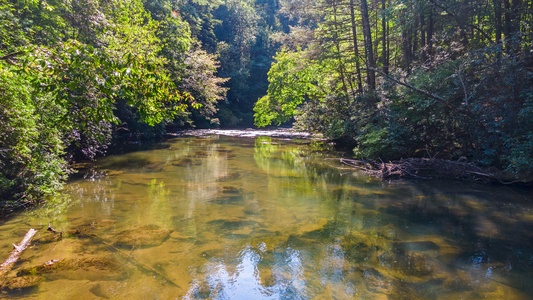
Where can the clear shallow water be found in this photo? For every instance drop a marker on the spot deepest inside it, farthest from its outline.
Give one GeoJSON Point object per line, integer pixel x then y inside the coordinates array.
{"type": "Point", "coordinates": [261, 218]}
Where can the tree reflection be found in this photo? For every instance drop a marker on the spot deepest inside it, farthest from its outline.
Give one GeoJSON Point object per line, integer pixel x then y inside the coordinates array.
{"type": "Point", "coordinates": [268, 219]}
{"type": "Point", "coordinates": [251, 278]}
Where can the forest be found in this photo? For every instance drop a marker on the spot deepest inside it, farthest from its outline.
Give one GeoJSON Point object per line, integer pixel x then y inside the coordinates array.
{"type": "Point", "coordinates": [387, 78]}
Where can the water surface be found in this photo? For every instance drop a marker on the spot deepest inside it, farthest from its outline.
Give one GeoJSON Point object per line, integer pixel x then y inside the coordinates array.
{"type": "Point", "coordinates": [219, 217]}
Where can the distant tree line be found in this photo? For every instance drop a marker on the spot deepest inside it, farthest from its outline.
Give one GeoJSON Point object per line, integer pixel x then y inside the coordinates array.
{"type": "Point", "coordinates": [402, 78]}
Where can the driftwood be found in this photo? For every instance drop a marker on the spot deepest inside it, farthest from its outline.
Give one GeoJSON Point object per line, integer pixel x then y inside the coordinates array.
{"type": "Point", "coordinates": [15, 254]}
{"type": "Point", "coordinates": [428, 168]}
{"type": "Point", "coordinates": [60, 233]}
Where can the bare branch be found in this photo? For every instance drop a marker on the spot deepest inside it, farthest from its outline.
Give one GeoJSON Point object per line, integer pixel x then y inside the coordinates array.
{"type": "Point", "coordinates": [11, 55]}
{"type": "Point", "coordinates": [407, 85]}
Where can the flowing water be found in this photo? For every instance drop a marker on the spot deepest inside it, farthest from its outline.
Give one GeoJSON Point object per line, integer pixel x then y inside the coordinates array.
{"type": "Point", "coordinates": [219, 217]}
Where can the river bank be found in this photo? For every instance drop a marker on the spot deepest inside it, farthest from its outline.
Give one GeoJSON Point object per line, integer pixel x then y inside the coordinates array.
{"type": "Point", "coordinates": [410, 168]}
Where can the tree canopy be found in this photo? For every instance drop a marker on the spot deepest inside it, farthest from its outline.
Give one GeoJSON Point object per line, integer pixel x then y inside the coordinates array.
{"type": "Point", "coordinates": [76, 74]}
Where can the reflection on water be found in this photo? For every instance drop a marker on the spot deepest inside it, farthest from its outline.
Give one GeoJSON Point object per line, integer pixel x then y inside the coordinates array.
{"type": "Point", "coordinates": [242, 218]}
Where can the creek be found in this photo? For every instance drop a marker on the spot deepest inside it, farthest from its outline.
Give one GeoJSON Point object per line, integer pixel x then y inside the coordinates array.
{"type": "Point", "coordinates": [263, 217]}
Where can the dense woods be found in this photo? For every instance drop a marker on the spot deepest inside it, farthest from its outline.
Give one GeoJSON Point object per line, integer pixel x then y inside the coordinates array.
{"type": "Point", "coordinates": [79, 75]}
{"type": "Point", "coordinates": [390, 79]}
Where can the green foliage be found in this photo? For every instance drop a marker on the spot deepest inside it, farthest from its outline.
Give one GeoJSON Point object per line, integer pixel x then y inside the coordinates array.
{"type": "Point", "coordinates": [431, 126]}
{"type": "Point", "coordinates": [133, 48]}
{"type": "Point", "coordinates": [39, 22]}
{"type": "Point", "coordinates": [503, 96]}
{"type": "Point", "coordinates": [75, 74]}
{"type": "Point", "coordinates": [202, 84]}
{"type": "Point", "coordinates": [192, 69]}
{"type": "Point", "coordinates": [31, 149]}
{"type": "Point", "coordinates": [293, 80]}
{"type": "Point", "coordinates": [264, 115]}
{"type": "Point", "coordinates": [484, 114]}
{"type": "Point", "coordinates": [11, 33]}
{"type": "Point", "coordinates": [240, 33]}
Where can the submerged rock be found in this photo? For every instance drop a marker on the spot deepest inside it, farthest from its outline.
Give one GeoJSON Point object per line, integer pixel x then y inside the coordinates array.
{"type": "Point", "coordinates": [22, 282]}
{"type": "Point", "coordinates": [233, 199]}
{"type": "Point", "coordinates": [357, 251]}
{"type": "Point", "coordinates": [88, 230]}
{"type": "Point", "coordinates": [144, 237]}
{"type": "Point", "coordinates": [229, 177]}
{"type": "Point", "coordinates": [230, 195]}
{"type": "Point", "coordinates": [294, 241]}
{"type": "Point", "coordinates": [131, 163]}
{"type": "Point", "coordinates": [376, 282]}
{"type": "Point", "coordinates": [99, 292]}
{"type": "Point", "coordinates": [410, 291]}
{"type": "Point", "coordinates": [230, 225]}
{"type": "Point", "coordinates": [186, 162]}
{"type": "Point", "coordinates": [46, 238]}
{"type": "Point", "coordinates": [410, 263]}
{"type": "Point", "coordinates": [88, 268]}
{"type": "Point", "coordinates": [416, 246]}
{"type": "Point", "coordinates": [391, 232]}
{"type": "Point", "coordinates": [232, 190]}
{"type": "Point", "coordinates": [419, 265]}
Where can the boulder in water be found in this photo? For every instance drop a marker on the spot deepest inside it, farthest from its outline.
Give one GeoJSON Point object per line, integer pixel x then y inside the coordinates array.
{"type": "Point", "coordinates": [143, 237]}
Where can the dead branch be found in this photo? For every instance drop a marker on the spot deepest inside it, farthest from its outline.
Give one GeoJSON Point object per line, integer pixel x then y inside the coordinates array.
{"type": "Point", "coordinates": [17, 251]}
{"type": "Point", "coordinates": [60, 233]}
{"type": "Point", "coordinates": [10, 58]}
{"type": "Point", "coordinates": [10, 55]}
{"type": "Point", "coordinates": [428, 168]}
{"type": "Point", "coordinates": [407, 85]}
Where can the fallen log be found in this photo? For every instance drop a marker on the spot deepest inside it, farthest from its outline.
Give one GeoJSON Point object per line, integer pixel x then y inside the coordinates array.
{"type": "Point", "coordinates": [15, 254]}
{"type": "Point", "coordinates": [431, 168]}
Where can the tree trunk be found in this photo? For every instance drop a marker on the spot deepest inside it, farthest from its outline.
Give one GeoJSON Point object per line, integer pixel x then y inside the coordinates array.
{"type": "Point", "coordinates": [384, 30]}
{"type": "Point", "coordinates": [516, 12]}
{"type": "Point", "coordinates": [429, 39]}
{"type": "Point", "coordinates": [507, 29]}
{"type": "Point", "coordinates": [498, 27]}
{"type": "Point", "coordinates": [423, 37]}
{"type": "Point", "coordinates": [407, 49]}
{"type": "Point", "coordinates": [367, 34]}
{"type": "Point", "coordinates": [338, 48]}
{"type": "Point", "coordinates": [512, 25]}
{"type": "Point", "coordinates": [356, 47]}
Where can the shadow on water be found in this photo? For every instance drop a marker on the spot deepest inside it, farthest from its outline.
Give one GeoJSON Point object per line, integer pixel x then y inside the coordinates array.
{"type": "Point", "coordinates": [230, 218]}
{"type": "Point", "coordinates": [132, 163]}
